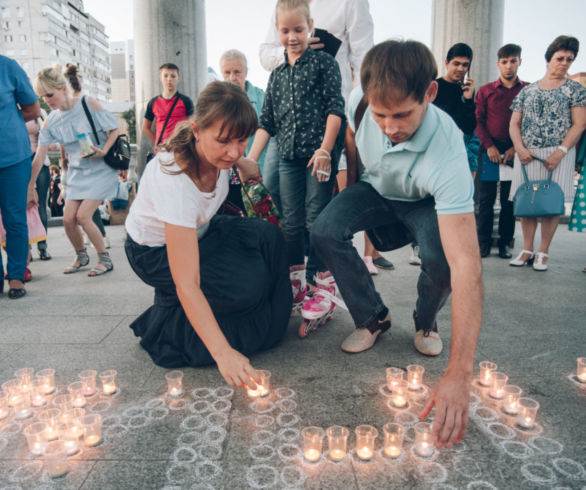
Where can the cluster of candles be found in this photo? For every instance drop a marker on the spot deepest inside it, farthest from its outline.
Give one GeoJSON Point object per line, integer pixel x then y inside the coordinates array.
{"type": "Point", "coordinates": [62, 424]}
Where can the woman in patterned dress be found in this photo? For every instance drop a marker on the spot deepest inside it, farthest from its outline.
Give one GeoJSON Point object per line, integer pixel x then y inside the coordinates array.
{"type": "Point", "coordinates": [548, 119]}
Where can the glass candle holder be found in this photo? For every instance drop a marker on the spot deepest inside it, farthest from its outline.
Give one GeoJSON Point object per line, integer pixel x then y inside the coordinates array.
{"type": "Point", "coordinates": [497, 388]}
{"type": "Point", "coordinates": [399, 398]}
{"type": "Point", "coordinates": [92, 429]}
{"type": "Point", "coordinates": [25, 378]}
{"type": "Point", "coordinates": [47, 377]}
{"type": "Point", "coordinates": [22, 405]}
{"type": "Point", "coordinates": [62, 402]}
{"type": "Point", "coordinates": [50, 417]}
{"type": "Point", "coordinates": [174, 384]}
{"type": "Point", "coordinates": [394, 375]}
{"type": "Point", "coordinates": [365, 437]}
{"type": "Point", "coordinates": [581, 371]}
{"type": "Point", "coordinates": [108, 379]}
{"type": "Point", "coordinates": [11, 388]}
{"type": "Point", "coordinates": [415, 377]}
{"type": "Point", "coordinates": [511, 397]}
{"type": "Point", "coordinates": [56, 458]}
{"type": "Point", "coordinates": [262, 388]}
{"type": "Point", "coordinates": [77, 397]}
{"type": "Point", "coordinates": [527, 413]}
{"type": "Point", "coordinates": [393, 440]}
{"type": "Point", "coordinates": [36, 438]}
{"type": "Point", "coordinates": [38, 396]}
{"type": "Point", "coordinates": [337, 442]}
{"type": "Point", "coordinates": [88, 381]}
{"type": "Point", "coordinates": [312, 443]}
{"type": "Point", "coordinates": [4, 408]}
{"type": "Point", "coordinates": [486, 370]}
{"type": "Point", "coordinates": [423, 439]}
{"type": "Point", "coordinates": [69, 432]}
{"type": "Point", "coordinates": [74, 414]}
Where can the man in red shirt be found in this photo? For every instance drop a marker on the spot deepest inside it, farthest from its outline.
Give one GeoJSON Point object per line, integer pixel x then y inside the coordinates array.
{"type": "Point", "coordinates": [159, 107]}
{"type": "Point", "coordinates": [493, 115]}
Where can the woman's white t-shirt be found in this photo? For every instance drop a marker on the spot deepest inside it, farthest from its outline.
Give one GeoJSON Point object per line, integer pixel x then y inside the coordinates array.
{"type": "Point", "coordinates": [166, 197]}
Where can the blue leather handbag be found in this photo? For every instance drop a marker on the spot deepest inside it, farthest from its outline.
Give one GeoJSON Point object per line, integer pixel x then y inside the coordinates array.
{"type": "Point", "coordinates": [535, 198]}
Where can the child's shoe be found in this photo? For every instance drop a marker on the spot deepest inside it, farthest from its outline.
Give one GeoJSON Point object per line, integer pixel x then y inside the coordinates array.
{"type": "Point", "coordinates": [319, 307]}
{"type": "Point", "coordinates": [298, 285]}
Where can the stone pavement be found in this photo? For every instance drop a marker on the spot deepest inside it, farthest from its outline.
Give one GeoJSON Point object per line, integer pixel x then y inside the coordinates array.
{"type": "Point", "coordinates": [534, 329]}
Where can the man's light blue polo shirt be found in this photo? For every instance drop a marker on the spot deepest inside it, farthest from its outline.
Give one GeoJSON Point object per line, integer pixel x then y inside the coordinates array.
{"type": "Point", "coordinates": [432, 163]}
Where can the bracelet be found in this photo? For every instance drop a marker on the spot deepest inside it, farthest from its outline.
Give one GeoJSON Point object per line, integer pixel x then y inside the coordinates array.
{"type": "Point", "coordinates": [325, 151]}
{"type": "Point", "coordinates": [563, 148]}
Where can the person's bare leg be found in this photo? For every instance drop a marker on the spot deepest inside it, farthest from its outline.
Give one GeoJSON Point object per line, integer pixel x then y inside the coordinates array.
{"type": "Point", "coordinates": [529, 226]}
{"type": "Point", "coordinates": [548, 228]}
{"type": "Point", "coordinates": [84, 218]}
{"type": "Point", "coordinates": [72, 231]}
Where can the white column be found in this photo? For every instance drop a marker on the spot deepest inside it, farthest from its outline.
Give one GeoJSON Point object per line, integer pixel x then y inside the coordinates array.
{"type": "Point", "coordinates": [167, 31]}
{"type": "Point", "coordinates": [478, 23]}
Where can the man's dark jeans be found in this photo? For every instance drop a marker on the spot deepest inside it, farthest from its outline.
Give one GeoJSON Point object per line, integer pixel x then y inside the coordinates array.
{"type": "Point", "coordinates": [360, 207]}
{"type": "Point", "coordinates": [487, 198]}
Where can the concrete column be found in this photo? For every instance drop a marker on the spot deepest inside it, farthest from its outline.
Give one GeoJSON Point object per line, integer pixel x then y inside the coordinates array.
{"type": "Point", "coordinates": [167, 31]}
{"type": "Point", "coordinates": [478, 23]}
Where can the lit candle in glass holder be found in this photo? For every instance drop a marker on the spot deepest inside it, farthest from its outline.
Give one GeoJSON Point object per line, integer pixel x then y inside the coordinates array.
{"type": "Point", "coordinates": [486, 370]}
{"type": "Point", "coordinates": [400, 395]}
{"type": "Point", "coordinates": [38, 396]}
{"type": "Point", "coordinates": [337, 442]}
{"type": "Point", "coordinates": [108, 379]}
{"type": "Point", "coordinates": [174, 384]}
{"type": "Point", "coordinates": [393, 442]}
{"type": "Point", "coordinates": [262, 388]}
{"type": "Point", "coordinates": [69, 433]}
{"type": "Point", "coordinates": [423, 439]}
{"type": "Point", "coordinates": [394, 375]}
{"type": "Point", "coordinates": [88, 381]}
{"type": "Point", "coordinates": [55, 454]}
{"type": "Point", "coordinates": [25, 378]}
{"type": "Point", "coordinates": [50, 417]}
{"type": "Point", "coordinates": [77, 397]}
{"type": "Point", "coordinates": [312, 443]}
{"type": "Point", "coordinates": [36, 438]}
{"type": "Point", "coordinates": [497, 388]}
{"type": "Point", "coordinates": [4, 408]}
{"type": "Point", "coordinates": [22, 405]}
{"type": "Point", "coordinates": [62, 403]}
{"type": "Point", "coordinates": [415, 376]}
{"type": "Point", "coordinates": [47, 376]}
{"type": "Point", "coordinates": [511, 397]}
{"type": "Point", "coordinates": [581, 371]}
{"type": "Point", "coordinates": [365, 437]}
{"type": "Point", "coordinates": [74, 414]}
{"type": "Point", "coordinates": [527, 413]}
{"type": "Point", "coordinates": [92, 429]}
{"type": "Point", "coordinates": [11, 388]}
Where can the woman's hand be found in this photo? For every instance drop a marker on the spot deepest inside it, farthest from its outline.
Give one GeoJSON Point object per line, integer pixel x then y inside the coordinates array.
{"type": "Point", "coordinates": [249, 169]}
{"type": "Point", "coordinates": [322, 164]}
{"type": "Point", "coordinates": [236, 370]}
{"type": "Point", "coordinates": [553, 160]}
{"type": "Point", "coordinates": [525, 156]}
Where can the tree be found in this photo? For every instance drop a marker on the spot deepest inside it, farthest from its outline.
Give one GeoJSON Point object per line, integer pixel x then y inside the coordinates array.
{"type": "Point", "coordinates": [130, 118]}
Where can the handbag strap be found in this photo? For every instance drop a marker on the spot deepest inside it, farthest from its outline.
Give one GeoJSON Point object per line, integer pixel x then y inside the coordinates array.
{"type": "Point", "coordinates": [89, 118]}
{"type": "Point", "coordinates": [526, 178]}
{"type": "Point", "coordinates": [167, 120]}
{"type": "Point", "coordinates": [243, 186]}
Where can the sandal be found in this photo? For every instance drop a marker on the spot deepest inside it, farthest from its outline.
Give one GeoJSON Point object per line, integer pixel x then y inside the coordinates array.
{"type": "Point", "coordinates": [106, 261]}
{"type": "Point", "coordinates": [82, 260]}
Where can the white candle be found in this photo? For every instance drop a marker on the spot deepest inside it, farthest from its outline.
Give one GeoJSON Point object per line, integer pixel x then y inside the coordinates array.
{"type": "Point", "coordinates": [399, 401]}
{"type": "Point", "coordinates": [337, 454]}
{"type": "Point", "coordinates": [24, 413]}
{"type": "Point", "coordinates": [414, 383]}
{"type": "Point", "coordinates": [364, 452]}
{"type": "Point", "coordinates": [38, 400]}
{"type": "Point", "coordinates": [58, 470]}
{"type": "Point", "coordinates": [92, 440]}
{"type": "Point", "coordinates": [175, 392]}
{"type": "Point", "coordinates": [71, 447]}
{"type": "Point", "coordinates": [37, 449]}
{"type": "Point", "coordinates": [582, 377]}
{"type": "Point", "coordinates": [526, 422]}
{"type": "Point", "coordinates": [312, 455]}
{"type": "Point", "coordinates": [424, 449]}
{"type": "Point", "coordinates": [392, 451]}
{"type": "Point", "coordinates": [109, 388]}
{"type": "Point", "coordinates": [511, 408]}
{"type": "Point", "coordinates": [51, 433]}
{"type": "Point", "coordinates": [88, 390]}
{"type": "Point", "coordinates": [78, 402]}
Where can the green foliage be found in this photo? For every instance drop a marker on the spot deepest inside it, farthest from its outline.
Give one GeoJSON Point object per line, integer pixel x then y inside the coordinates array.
{"type": "Point", "coordinates": [44, 105]}
{"type": "Point", "coordinates": [130, 118]}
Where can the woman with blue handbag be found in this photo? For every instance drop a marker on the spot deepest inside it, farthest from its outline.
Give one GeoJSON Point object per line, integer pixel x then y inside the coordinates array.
{"type": "Point", "coordinates": [548, 119]}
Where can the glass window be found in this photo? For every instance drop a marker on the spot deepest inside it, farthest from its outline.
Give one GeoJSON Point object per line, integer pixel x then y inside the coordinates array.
{"type": "Point", "coordinates": [19, 12]}
{"type": "Point", "coordinates": [5, 13]}
{"type": "Point", "coordinates": [8, 38]}
{"type": "Point", "coordinates": [22, 37]}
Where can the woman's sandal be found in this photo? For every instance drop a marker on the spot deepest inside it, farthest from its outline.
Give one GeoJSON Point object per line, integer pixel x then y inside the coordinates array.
{"type": "Point", "coordinates": [82, 260]}
{"type": "Point", "coordinates": [106, 261]}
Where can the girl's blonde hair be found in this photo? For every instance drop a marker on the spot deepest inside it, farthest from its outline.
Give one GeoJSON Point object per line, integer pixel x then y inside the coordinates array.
{"type": "Point", "coordinates": [302, 5]}
{"type": "Point", "coordinates": [218, 101]}
{"type": "Point", "coordinates": [48, 80]}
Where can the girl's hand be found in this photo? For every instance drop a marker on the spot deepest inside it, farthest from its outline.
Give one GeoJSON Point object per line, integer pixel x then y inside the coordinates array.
{"type": "Point", "coordinates": [322, 164]}
{"type": "Point", "coordinates": [32, 197]}
{"type": "Point", "coordinates": [553, 160]}
{"type": "Point", "coordinates": [525, 156]}
{"type": "Point", "coordinates": [99, 153]}
{"type": "Point", "coordinates": [236, 370]}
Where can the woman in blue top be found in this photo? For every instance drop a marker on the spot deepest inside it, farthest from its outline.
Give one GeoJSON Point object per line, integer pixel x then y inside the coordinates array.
{"type": "Point", "coordinates": [89, 179]}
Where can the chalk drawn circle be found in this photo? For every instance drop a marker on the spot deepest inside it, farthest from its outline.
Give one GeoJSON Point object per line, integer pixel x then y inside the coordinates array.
{"type": "Point", "coordinates": [516, 449]}
{"type": "Point", "coordinates": [500, 431]}
{"type": "Point", "coordinates": [480, 485]}
{"type": "Point", "coordinates": [534, 431]}
{"type": "Point", "coordinates": [100, 406]}
{"type": "Point", "coordinates": [406, 418]}
{"type": "Point", "coordinates": [184, 454]}
{"type": "Point", "coordinates": [474, 398]}
{"type": "Point", "coordinates": [284, 393]}
{"type": "Point", "coordinates": [569, 468]}
{"type": "Point", "coordinates": [286, 405]}
{"type": "Point", "coordinates": [206, 470]}
{"type": "Point", "coordinates": [158, 413]}
{"type": "Point", "coordinates": [155, 403]}
{"type": "Point", "coordinates": [424, 459]}
{"type": "Point", "coordinates": [11, 429]}
{"type": "Point", "coordinates": [262, 406]}
{"type": "Point", "coordinates": [263, 437]}
{"type": "Point", "coordinates": [114, 430]}
{"type": "Point", "coordinates": [211, 452]}
{"type": "Point", "coordinates": [202, 393]}
{"type": "Point", "coordinates": [215, 435]}
{"type": "Point", "coordinates": [486, 414]}
{"type": "Point", "coordinates": [384, 391]}
{"type": "Point", "coordinates": [262, 452]}
{"type": "Point", "coordinates": [538, 473]}
{"type": "Point", "coordinates": [190, 438]}
{"type": "Point", "coordinates": [293, 476]}
{"type": "Point", "coordinates": [264, 421]}
{"type": "Point", "coordinates": [111, 420]}
{"type": "Point", "coordinates": [179, 473]}
{"type": "Point", "coordinates": [132, 412]}
{"type": "Point", "coordinates": [224, 392]}
{"type": "Point", "coordinates": [432, 472]}
{"type": "Point", "coordinates": [262, 476]}
{"type": "Point", "coordinates": [179, 404]}
{"type": "Point", "coordinates": [26, 472]}
{"type": "Point", "coordinates": [138, 421]}
{"type": "Point", "coordinates": [289, 452]}
{"type": "Point", "coordinates": [545, 445]}
{"type": "Point", "coordinates": [422, 392]}
{"type": "Point", "coordinates": [467, 466]}
{"type": "Point", "coordinates": [193, 422]}
{"type": "Point", "coordinates": [217, 419]}
{"type": "Point", "coordinates": [222, 405]}
{"type": "Point", "coordinates": [200, 406]}
{"type": "Point", "coordinates": [289, 434]}
{"type": "Point", "coordinates": [287, 419]}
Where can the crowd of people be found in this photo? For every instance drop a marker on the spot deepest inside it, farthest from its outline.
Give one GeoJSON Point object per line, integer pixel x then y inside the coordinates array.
{"type": "Point", "coordinates": [395, 157]}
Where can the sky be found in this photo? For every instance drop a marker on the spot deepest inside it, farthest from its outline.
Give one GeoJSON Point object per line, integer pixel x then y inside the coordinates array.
{"type": "Point", "coordinates": [533, 24]}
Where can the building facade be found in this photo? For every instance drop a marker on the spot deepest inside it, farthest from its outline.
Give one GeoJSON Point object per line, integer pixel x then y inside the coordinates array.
{"type": "Point", "coordinates": [122, 71]}
{"type": "Point", "coordinates": [42, 33]}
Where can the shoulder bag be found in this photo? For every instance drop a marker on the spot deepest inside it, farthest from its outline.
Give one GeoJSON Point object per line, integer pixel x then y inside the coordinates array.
{"type": "Point", "coordinates": [258, 203]}
{"type": "Point", "coordinates": [150, 155]}
{"type": "Point", "coordinates": [535, 198]}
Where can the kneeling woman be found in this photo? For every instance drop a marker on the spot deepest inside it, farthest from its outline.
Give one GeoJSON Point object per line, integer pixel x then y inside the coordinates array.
{"type": "Point", "coordinates": [222, 288]}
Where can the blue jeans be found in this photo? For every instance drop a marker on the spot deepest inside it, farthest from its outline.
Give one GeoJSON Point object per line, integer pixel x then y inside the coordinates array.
{"type": "Point", "coordinates": [43, 180]}
{"type": "Point", "coordinates": [303, 198]}
{"type": "Point", "coordinates": [360, 207]}
{"type": "Point", "coordinates": [13, 197]}
{"type": "Point", "coordinates": [270, 173]}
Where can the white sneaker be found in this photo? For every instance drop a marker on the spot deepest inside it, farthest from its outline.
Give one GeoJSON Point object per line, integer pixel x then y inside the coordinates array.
{"type": "Point", "coordinates": [107, 242]}
{"type": "Point", "coordinates": [430, 345]}
{"type": "Point", "coordinates": [414, 259]}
